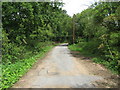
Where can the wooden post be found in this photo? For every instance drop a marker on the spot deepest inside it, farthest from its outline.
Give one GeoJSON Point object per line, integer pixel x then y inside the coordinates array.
{"type": "Point", "coordinates": [73, 29]}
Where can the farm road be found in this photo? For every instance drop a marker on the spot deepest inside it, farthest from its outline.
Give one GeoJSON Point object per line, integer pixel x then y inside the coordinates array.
{"type": "Point", "coordinates": [59, 69]}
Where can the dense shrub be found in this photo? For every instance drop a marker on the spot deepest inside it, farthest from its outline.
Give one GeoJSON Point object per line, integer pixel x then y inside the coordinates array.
{"type": "Point", "coordinates": [99, 27]}
{"type": "Point", "coordinates": [29, 29]}
{"type": "Point", "coordinates": [11, 72]}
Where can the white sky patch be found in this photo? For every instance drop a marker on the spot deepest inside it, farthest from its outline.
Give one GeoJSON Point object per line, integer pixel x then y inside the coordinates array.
{"type": "Point", "coordinates": [76, 6]}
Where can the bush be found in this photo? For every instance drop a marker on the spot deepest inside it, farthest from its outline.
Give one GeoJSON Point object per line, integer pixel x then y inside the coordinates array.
{"type": "Point", "coordinates": [90, 49]}
{"type": "Point", "coordinates": [11, 72]}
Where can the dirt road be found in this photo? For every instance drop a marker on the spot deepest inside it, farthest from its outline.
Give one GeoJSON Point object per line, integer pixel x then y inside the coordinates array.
{"type": "Point", "coordinates": [59, 69]}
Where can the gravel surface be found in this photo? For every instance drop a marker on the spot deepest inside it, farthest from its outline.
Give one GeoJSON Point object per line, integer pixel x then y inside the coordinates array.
{"type": "Point", "coordinates": [59, 69]}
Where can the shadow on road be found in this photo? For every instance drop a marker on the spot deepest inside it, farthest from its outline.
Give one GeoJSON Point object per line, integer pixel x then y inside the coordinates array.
{"type": "Point", "coordinates": [78, 55]}
{"type": "Point", "coordinates": [65, 44]}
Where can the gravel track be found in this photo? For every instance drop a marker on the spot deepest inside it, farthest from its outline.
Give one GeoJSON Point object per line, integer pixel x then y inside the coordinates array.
{"type": "Point", "coordinates": [59, 69]}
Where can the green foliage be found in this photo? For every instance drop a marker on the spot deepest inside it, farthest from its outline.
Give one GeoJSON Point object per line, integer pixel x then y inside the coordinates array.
{"type": "Point", "coordinates": [75, 47]}
{"type": "Point", "coordinates": [27, 23]}
{"type": "Point", "coordinates": [12, 72]}
{"type": "Point", "coordinates": [99, 27]}
{"type": "Point", "coordinates": [85, 49]}
{"type": "Point", "coordinates": [29, 29]}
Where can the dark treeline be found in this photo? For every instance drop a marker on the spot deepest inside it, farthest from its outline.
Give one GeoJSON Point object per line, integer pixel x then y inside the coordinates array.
{"type": "Point", "coordinates": [97, 33]}
{"type": "Point", "coordinates": [25, 25]}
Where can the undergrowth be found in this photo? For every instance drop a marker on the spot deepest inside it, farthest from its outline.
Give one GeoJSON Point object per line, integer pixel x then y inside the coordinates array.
{"type": "Point", "coordinates": [89, 50]}
{"type": "Point", "coordinates": [11, 72]}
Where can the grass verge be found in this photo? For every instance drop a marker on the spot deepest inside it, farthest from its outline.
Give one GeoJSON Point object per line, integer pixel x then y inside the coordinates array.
{"type": "Point", "coordinates": [12, 72]}
{"type": "Point", "coordinates": [95, 57]}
